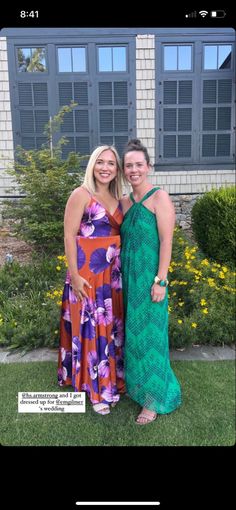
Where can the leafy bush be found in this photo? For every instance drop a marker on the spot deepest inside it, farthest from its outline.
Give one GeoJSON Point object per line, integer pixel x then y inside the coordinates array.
{"type": "Point", "coordinates": [45, 182]}
{"type": "Point", "coordinates": [201, 297]}
{"type": "Point", "coordinates": [201, 300]}
{"type": "Point", "coordinates": [214, 224]}
{"type": "Point", "coordinates": [28, 319]}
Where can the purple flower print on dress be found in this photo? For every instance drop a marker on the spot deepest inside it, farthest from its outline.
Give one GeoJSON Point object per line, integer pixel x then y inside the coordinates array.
{"type": "Point", "coordinates": [93, 364]}
{"type": "Point", "coordinates": [120, 366]}
{"type": "Point", "coordinates": [91, 224]}
{"type": "Point", "coordinates": [104, 313]}
{"type": "Point", "coordinates": [65, 292]}
{"type": "Point", "coordinates": [88, 319]}
{"type": "Point", "coordinates": [101, 347]}
{"type": "Point", "coordinates": [104, 368]}
{"type": "Point", "coordinates": [76, 353]}
{"type": "Point", "coordinates": [102, 293]}
{"type": "Point", "coordinates": [67, 324]}
{"type": "Point", "coordinates": [86, 387]}
{"type": "Point", "coordinates": [66, 315]}
{"type": "Point", "coordinates": [117, 333]}
{"type": "Point", "coordinates": [81, 258]}
{"type": "Point", "coordinates": [66, 361]}
{"type": "Point", "coordinates": [106, 393]}
{"type": "Point", "coordinates": [72, 297]}
{"type": "Point", "coordinates": [93, 369]}
{"type": "Point", "coordinates": [60, 376]}
{"type": "Point", "coordinates": [112, 349]}
{"type": "Point", "coordinates": [98, 261]}
{"type": "Point", "coordinates": [112, 253]}
{"type": "Point", "coordinates": [104, 305]}
{"type": "Point", "coordinates": [116, 278]}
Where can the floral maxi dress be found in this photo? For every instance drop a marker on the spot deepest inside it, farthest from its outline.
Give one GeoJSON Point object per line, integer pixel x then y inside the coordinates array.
{"type": "Point", "coordinates": [91, 331]}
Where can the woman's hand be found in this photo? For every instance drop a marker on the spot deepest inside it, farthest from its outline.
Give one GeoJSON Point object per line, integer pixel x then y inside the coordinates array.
{"type": "Point", "coordinates": [157, 293]}
{"type": "Point", "coordinates": [78, 283]}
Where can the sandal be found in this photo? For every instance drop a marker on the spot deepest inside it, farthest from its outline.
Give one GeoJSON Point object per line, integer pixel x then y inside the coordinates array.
{"type": "Point", "coordinates": [101, 408]}
{"type": "Point", "coordinates": [144, 418]}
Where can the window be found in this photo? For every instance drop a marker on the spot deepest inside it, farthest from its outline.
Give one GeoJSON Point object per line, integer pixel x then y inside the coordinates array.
{"type": "Point", "coordinates": [177, 58]}
{"type": "Point", "coordinates": [217, 56]}
{"type": "Point", "coordinates": [72, 60]}
{"type": "Point", "coordinates": [31, 60]}
{"type": "Point", "coordinates": [112, 59]}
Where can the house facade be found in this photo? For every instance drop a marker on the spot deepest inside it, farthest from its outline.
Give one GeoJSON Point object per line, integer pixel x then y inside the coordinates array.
{"type": "Point", "coordinates": [172, 88]}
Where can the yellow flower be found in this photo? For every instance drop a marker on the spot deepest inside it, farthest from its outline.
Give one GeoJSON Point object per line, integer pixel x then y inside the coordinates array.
{"type": "Point", "coordinates": [225, 269]}
{"type": "Point", "coordinates": [203, 302]}
{"type": "Point", "coordinates": [221, 275]}
{"type": "Point", "coordinates": [204, 262]}
{"type": "Point", "coordinates": [205, 310]}
{"type": "Point", "coordinates": [179, 321]}
{"type": "Point", "coordinates": [58, 268]}
{"type": "Point", "coordinates": [194, 324]}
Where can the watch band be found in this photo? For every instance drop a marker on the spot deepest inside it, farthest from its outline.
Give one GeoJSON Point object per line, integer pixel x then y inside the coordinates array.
{"type": "Point", "coordinates": [162, 283]}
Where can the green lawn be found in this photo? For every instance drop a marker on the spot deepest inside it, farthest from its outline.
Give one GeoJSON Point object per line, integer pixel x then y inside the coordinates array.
{"type": "Point", "coordinates": [206, 417]}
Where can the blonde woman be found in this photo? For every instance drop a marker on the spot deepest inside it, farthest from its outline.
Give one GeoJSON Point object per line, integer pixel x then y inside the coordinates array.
{"type": "Point", "coordinates": [91, 333]}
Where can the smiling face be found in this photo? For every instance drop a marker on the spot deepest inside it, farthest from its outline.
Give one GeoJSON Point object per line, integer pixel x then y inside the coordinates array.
{"type": "Point", "coordinates": [135, 167]}
{"type": "Point", "coordinates": [105, 168]}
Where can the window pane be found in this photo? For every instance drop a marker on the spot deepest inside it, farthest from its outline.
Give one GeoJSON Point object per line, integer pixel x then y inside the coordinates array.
{"type": "Point", "coordinates": [210, 57]}
{"type": "Point", "coordinates": [224, 61]}
{"type": "Point", "coordinates": [64, 59]}
{"type": "Point", "coordinates": [23, 55]}
{"type": "Point", "coordinates": [184, 62]}
{"type": "Point", "coordinates": [170, 58]}
{"type": "Point", "coordinates": [78, 60]}
{"type": "Point", "coordinates": [31, 60]}
{"type": "Point", "coordinates": [119, 59]}
{"type": "Point", "coordinates": [104, 59]}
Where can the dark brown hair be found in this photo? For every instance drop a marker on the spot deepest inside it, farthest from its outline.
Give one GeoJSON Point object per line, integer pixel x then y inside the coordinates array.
{"type": "Point", "coordinates": [135, 145]}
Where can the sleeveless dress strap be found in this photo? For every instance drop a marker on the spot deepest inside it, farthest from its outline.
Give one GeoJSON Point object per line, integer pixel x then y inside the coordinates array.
{"type": "Point", "coordinates": [148, 194]}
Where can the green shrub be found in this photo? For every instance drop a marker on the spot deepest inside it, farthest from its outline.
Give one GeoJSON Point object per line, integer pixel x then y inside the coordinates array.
{"type": "Point", "coordinates": [28, 319]}
{"type": "Point", "coordinates": [45, 182]}
{"type": "Point", "coordinates": [201, 297]}
{"type": "Point", "coordinates": [214, 224]}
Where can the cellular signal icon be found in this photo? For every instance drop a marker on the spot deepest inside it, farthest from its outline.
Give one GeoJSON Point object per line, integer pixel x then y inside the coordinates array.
{"type": "Point", "coordinates": [191, 15]}
{"type": "Point", "coordinates": [203, 14]}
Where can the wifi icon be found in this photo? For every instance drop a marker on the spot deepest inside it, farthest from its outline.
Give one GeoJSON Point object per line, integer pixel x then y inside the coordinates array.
{"type": "Point", "coordinates": [203, 13]}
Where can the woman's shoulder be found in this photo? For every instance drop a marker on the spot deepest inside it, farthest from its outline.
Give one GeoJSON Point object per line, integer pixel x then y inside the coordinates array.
{"type": "Point", "coordinates": [162, 199]}
{"type": "Point", "coordinates": [80, 193]}
{"type": "Point", "coordinates": [161, 194]}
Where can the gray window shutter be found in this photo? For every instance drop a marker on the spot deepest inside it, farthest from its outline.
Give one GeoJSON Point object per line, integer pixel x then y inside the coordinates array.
{"type": "Point", "coordinates": [113, 113]}
{"type": "Point", "coordinates": [177, 119]}
{"type": "Point", "coordinates": [33, 114]}
{"type": "Point", "coordinates": [216, 121]}
{"type": "Point", "coordinates": [75, 126]}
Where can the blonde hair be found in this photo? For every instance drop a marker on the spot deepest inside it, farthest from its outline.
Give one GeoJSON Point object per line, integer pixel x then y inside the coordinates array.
{"type": "Point", "coordinates": [115, 186]}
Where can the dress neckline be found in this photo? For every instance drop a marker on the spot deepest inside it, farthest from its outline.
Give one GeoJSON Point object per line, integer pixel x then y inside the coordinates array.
{"type": "Point", "coordinates": [145, 197]}
{"type": "Point", "coordinates": [102, 205]}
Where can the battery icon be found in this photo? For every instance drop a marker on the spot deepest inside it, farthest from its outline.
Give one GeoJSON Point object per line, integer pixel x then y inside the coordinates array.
{"type": "Point", "coordinates": [218, 14]}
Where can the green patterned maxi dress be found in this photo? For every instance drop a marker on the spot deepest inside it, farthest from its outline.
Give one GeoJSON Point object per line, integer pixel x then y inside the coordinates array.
{"type": "Point", "coordinates": [150, 381]}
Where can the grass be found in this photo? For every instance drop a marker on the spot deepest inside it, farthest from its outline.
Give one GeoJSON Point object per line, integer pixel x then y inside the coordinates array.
{"type": "Point", "coordinates": [206, 417]}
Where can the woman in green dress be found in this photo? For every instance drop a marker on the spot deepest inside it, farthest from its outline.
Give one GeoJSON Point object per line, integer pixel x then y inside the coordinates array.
{"type": "Point", "coordinates": [146, 234]}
